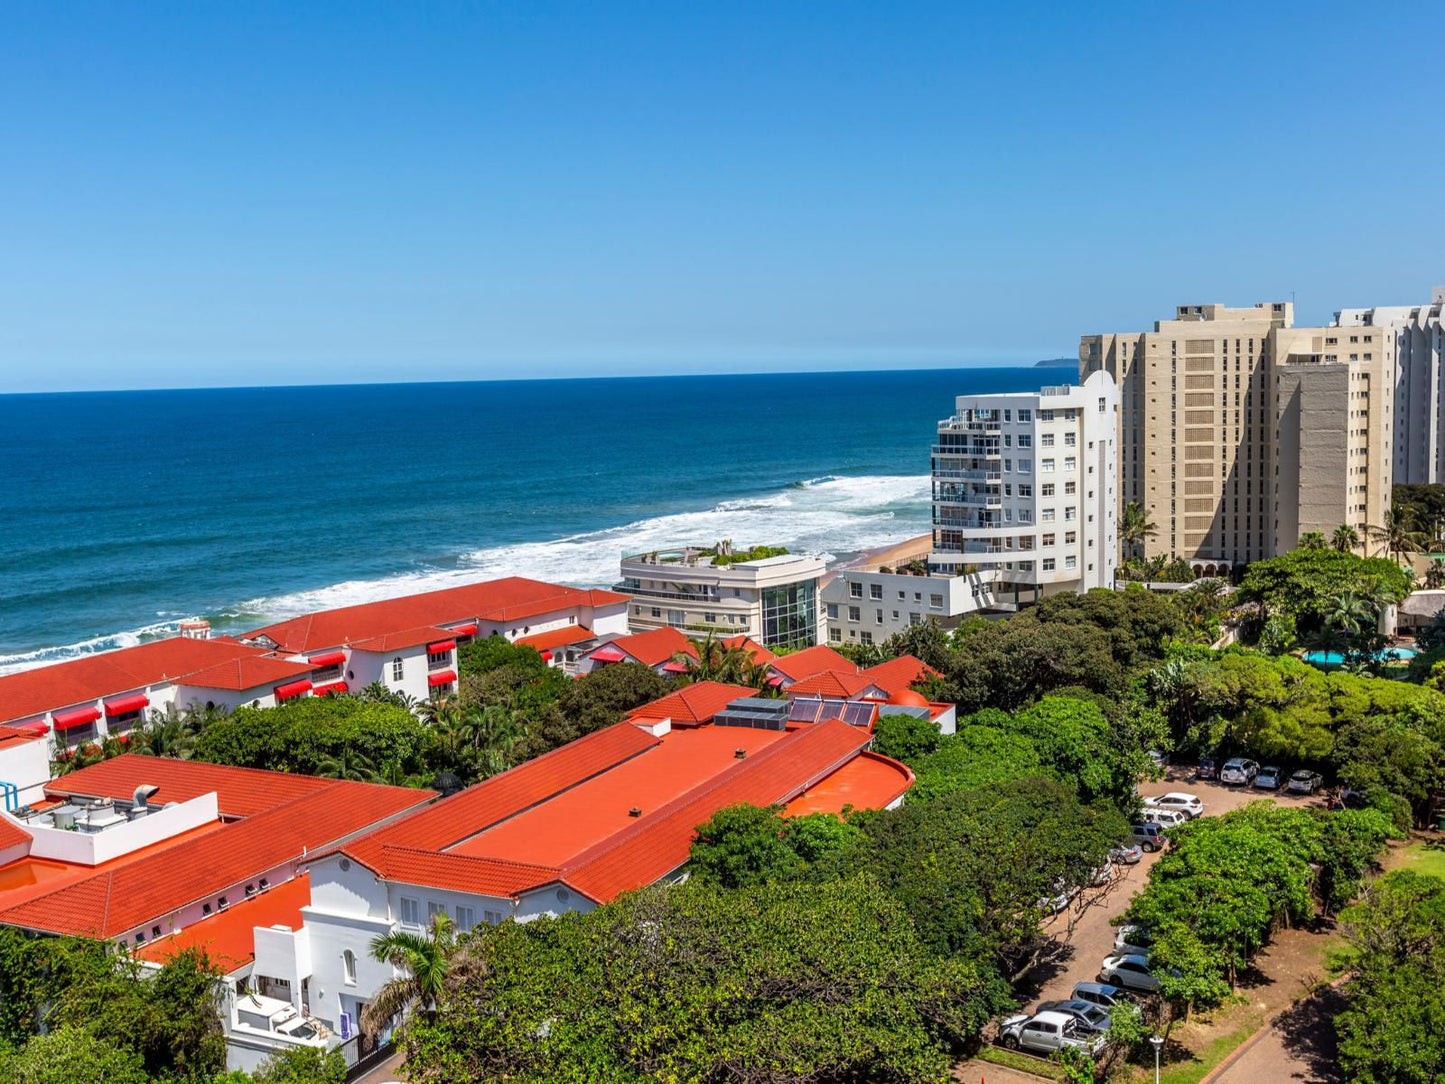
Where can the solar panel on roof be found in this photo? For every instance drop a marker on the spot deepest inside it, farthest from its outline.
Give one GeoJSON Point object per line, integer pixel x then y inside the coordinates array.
{"type": "Point", "coordinates": [857, 714]}
{"type": "Point", "coordinates": [804, 711]}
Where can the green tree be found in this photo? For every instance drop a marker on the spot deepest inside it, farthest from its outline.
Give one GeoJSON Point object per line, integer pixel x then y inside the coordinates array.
{"type": "Point", "coordinates": [809, 983]}
{"type": "Point", "coordinates": [72, 1055]}
{"type": "Point", "coordinates": [423, 960]}
{"type": "Point", "coordinates": [1345, 539]}
{"type": "Point", "coordinates": [1304, 583]}
{"type": "Point", "coordinates": [1399, 535]}
{"type": "Point", "coordinates": [596, 701]}
{"type": "Point", "coordinates": [1313, 540]}
{"type": "Point", "coordinates": [302, 1065]}
{"type": "Point", "coordinates": [1135, 528]}
{"type": "Point", "coordinates": [1389, 1031]}
{"type": "Point", "coordinates": [906, 737]}
{"type": "Point", "coordinates": [741, 846]}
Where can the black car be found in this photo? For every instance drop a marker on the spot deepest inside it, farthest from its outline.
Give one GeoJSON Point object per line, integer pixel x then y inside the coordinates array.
{"type": "Point", "coordinates": [1208, 768]}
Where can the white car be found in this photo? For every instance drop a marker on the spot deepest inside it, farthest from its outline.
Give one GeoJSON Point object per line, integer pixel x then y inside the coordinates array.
{"type": "Point", "coordinates": [1165, 818]}
{"type": "Point", "coordinates": [1050, 1032]}
{"type": "Point", "coordinates": [1132, 940]}
{"type": "Point", "coordinates": [1177, 800]}
{"type": "Point", "coordinates": [1130, 970]}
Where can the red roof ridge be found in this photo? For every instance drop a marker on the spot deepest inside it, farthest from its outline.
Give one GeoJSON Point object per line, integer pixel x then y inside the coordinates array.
{"type": "Point", "coordinates": [811, 660]}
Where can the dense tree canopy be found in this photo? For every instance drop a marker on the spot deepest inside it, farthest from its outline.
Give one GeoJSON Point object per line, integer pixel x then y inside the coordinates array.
{"type": "Point", "coordinates": [1305, 583]}
{"type": "Point", "coordinates": [783, 982]}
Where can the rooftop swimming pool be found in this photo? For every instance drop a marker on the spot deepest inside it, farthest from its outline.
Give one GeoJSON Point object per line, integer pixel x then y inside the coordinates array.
{"type": "Point", "coordinates": [1334, 658]}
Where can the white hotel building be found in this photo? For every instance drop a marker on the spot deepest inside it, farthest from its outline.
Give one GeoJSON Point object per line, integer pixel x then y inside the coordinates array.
{"type": "Point", "coordinates": [1024, 485]}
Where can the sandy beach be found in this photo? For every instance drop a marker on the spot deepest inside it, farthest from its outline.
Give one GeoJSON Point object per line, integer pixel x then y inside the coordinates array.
{"type": "Point", "coordinates": [892, 555]}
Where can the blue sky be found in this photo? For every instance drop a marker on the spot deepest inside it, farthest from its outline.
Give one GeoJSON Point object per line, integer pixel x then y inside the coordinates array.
{"type": "Point", "coordinates": [208, 194]}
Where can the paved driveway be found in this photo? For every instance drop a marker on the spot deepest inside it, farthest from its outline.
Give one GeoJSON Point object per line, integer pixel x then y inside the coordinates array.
{"type": "Point", "coordinates": [1093, 934]}
{"type": "Point", "coordinates": [1299, 1046]}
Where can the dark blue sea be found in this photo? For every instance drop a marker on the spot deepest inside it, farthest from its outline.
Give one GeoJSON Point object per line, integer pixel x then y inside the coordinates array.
{"type": "Point", "coordinates": [124, 512]}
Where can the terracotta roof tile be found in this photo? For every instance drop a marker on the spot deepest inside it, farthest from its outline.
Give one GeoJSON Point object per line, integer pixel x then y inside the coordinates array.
{"type": "Point", "coordinates": [404, 638]}
{"type": "Point", "coordinates": [655, 646]}
{"type": "Point", "coordinates": [760, 655]}
{"type": "Point", "coordinates": [567, 634]}
{"type": "Point", "coordinates": [248, 672]}
{"type": "Point", "coordinates": [240, 792]}
{"type": "Point", "coordinates": [899, 674]}
{"type": "Point", "coordinates": [694, 704]}
{"type": "Point", "coordinates": [229, 937]}
{"type": "Point", "coordinates": [510, 599]}
{"type": "Point", "coordinates": [463, 873]}
{"type": "Point", "coordinates": [831, 683]}
{"type": "Point", "coordinates": [809, 661]}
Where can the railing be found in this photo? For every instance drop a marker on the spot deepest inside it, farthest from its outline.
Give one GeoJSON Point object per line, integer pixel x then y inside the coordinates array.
{"type": "Point", "coordinates": [976, 451]}
{"type": "Point", "coordinates": [970, 475]}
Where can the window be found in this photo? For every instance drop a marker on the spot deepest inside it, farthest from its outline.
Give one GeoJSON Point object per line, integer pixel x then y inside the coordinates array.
{"type": "Point", "coordinates": [875, 590]}
{"type": "Point", "coordinates": [833, 610]}
{"type": "Point", "coordinates": [1025, 441]}
{"type": "Point", "coordinates": [1046, 515]}
{"type": "Point", "coordinates": [835, 634]}
{"type": "Point", "coordinates": [711, 619]}
{"type": "Point", "coordinates": [433, 909]}
{"type": "Point", "coordinates": [915, 619]}
{"type": "Point", "coordinates": [466, 918]}
{"type": "Point", "coordinates": [397, 669]}
{"type": "Point", "coordinates": [1046, 415]}
{"type": "Point", "coordinates": [1070, 561]}
{"type": "Point", "coordinates": [1045, 490]}
{"type": "Point", "coordinates": [1046, 440]}
{"type": "Point", "coordinates": [935, 601]}
{"type": "Point", "coordinates": [1069, 512]}
{"type": "Point", "coordinates": [855, 613]}
{"type": "Point", "coordinates": [437, 659]}
{"type": "Point", "coordinates": [1026, 466]}
{"type": "Point", "coordinates": [865, 637]}
{"type": "Point", "coordinates": [1070, 537]}
{"type": "Point", "coordinates": [1070, 463]}
{"type": "Point", "coordinates": [1046, 466]}
{"type": "Point", "coordinates": [1071, 440]}
{"type": "Point", "coordinates": [1070, 488]}
{"type": "Point", "coordinates": [492, 918]}
{"type": "Point", "coordinates": [1025, 415]}
{"type": "Point", "coordinates": [1048, 564]}
{"type": "Point", "coordinates": [1046, 540]}
{"type": "Point", "coordinates": [657, 611]}
{"type": "Point", "coordinates": [1026, 489]}
{"type": "Point", "coordinates": [410, 912]}
{"type": "Point", "coordinates": [855, 590]}
{"type": "Point", "coordinates": [676, 617]}
{"type": "Point", "coordinates": [348, 967]}
{"type": "Point", "coordinates": [878, 619]}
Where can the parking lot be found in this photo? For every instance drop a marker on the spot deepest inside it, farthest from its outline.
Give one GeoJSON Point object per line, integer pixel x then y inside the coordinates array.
{"type": "Point", "coordinates": [1093, 935]}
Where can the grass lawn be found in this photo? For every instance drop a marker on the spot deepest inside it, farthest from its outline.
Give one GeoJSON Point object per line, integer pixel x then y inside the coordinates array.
{"type": "Point", "coordinates": [1421, 858]}
{"type": "Point", "coordinates": [1025, 1063]}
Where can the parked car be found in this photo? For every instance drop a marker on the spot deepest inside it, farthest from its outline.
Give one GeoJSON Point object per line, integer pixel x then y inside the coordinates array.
{"type": "Point", "coordinates": [1238, 770]}
{"type": "Point", "coordinates": [1062, 897]}
{"type": "Point", "coordinates": [1129, 969]}
{"type": "Point", "coordinates": [1048, 1033]}
{"type": "Point", "coordinates": [1178, 800]}
{"type": "Point", "coordinates": [1269, 778]}
{"type": "Point", "coordinates": [1132, 939]}
{"type": "Point", "coordinates": [1165, 818]}
{"type": "Point", "coordinates": [1127, 853]}
{"type": "Point", "coordinates": [1102, 994]}
{"type": "Point", "coordinates": [1149, 836]}
{"type": "Point", "coordinates": [1208, 768]}
{"type": "Point", "coordinates": [1095, 1018]}
{"type": "Point", "coordinates": [1159, 757]}
{"type": "Point", "coordinates": [1305, 781]}
{"type": "Point", "coordinates": [1101, 875]}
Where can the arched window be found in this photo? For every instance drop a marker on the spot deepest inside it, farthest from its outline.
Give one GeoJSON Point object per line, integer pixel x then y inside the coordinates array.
{"type": "Point", "coordinates": [348, 964]}
{"type": "Point", "coordinates": [396, 668]}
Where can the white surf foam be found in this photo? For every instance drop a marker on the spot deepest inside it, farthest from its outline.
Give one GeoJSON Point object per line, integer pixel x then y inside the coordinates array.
{"type": "Point", "coordinates": [26, 660]}
{"type": "Point", "coordinates": [829, 516]}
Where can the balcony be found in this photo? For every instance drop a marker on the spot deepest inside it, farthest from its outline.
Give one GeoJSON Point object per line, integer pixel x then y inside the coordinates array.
{"type": "Point", "coordinates": [969, 451]}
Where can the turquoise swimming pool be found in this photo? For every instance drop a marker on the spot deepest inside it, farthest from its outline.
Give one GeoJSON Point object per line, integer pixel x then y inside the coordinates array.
{"type": "Point", "coordinates": [1334, 658]}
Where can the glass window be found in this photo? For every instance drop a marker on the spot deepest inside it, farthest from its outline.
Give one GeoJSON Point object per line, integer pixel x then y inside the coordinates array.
{"type": "Point", "coordinates": [875, 590]}
{"type": "Point", "coordinates": [348, 967]}
{"type": "Point", "coordinates": [855, 613]}
{"type": "Point", "coordinates": [1046, 490]}
{"type": "Point", "coordinates": [833, 610]}
{"type": "Point", "coordinates": [466, 918]}
{"type": "Point", "coordinates": [1047, 466]}
{"type": "Point", "coordinates": [855, 590]}
{"type": "Point", "coordinates": [397, 668]}
{"type": "Point", "coordinates": [1048, 564]}
{"type": "Point", "coordinates": [790, 614]}
{"type": "Point", "coordinates": [410, 912]}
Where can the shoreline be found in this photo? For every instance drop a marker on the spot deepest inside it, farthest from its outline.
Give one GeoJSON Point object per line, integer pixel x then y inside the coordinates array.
{"type": "Point", "coordinates": [891, 554]}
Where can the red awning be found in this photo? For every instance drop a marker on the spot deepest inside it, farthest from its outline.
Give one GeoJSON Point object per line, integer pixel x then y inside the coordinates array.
{"type": "Point", "coordinates": [292, 688]}
{"type": "Point", "coordinates": [33, 728]}
{"type": "Point", "coordinates": [328, 658]}
{"type": "Point", "coordinates": [607, 654]}
{"type": "Point", "coordinates": [442, 677]}
{"type": "Point", "coordinates": [64, 720]}
{"type": "Point", "coordinates": [440, 646]}
{"type": "Point", "coordinates": [675, 668]}
{"type": "Point", "coordinates": [327, 690]}
{"type": "Point", "coordinates": [775, 680]}
{"type": "Point", "coordinates": [469, 629]}
{"type": "Point", "coordinates": [122, 704]}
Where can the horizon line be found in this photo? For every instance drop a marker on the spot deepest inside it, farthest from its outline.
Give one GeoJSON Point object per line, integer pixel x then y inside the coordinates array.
{"type": "Point", "coordinates": [1046, 363]}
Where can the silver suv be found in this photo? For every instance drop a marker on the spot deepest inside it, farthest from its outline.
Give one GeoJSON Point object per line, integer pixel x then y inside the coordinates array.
{"type": "Point", "coordinates": [1050, 1032]}
{"type": "Point", "coordinates": [1238, 770]}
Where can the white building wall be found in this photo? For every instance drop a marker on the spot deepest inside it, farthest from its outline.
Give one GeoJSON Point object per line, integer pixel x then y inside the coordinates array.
{"type": "Point", "coordinates": [27, 766]}
{"type": "Point", "coordinates": [868, 606]}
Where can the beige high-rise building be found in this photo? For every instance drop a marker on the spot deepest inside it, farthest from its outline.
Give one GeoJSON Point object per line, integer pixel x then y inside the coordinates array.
{"type": "Point", "coordinates": [1238, 432]}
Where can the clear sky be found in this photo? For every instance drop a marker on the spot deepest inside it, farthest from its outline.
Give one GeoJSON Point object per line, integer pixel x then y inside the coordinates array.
{"type": "Point", "coordinates": [255, 193]}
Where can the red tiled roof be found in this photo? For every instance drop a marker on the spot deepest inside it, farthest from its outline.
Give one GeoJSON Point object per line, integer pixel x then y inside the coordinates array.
{"type": "Point", "coordinates": [693, 704]}
{"type": "Point", "coordinates": [10, 736]}
{"type": "Point", "coordinates": [229, 937]}
{"type": "Point", "coordinates": [809, 661]}
{"type": "Point", "coordinates": [11, 834]}
{"type": "Point", "coordinates": [567, 634]}
{"type": "Point", "coordinates": [760, 655]}
{"type": "Point", "coordinates": [899, 674]}
{"type": "Point", "coordinates": [404, 638]}
{"type": "Point", "coordinates": [240, 792]}
{"type": "Point", "coordinates": [463, 873]}
{"type": "Point", "coordinates": [831, 683]}
{"type": "Point", "coordinates": [492, 800]}
{"type": "Point", "coordinates": [115, 901]}
{"type": "Point", "coordinates": [248, 672]}
{"type": "Point", "coordinates": [510, 599]}
{"type": "Point", "coordinates": [32, 692]}
{"type": "Point", "coordinates": [868, 781]}
{"type": "Point", "coordinates": [657, 845]}
{"type": "Point", "coordinates": [654, 646]}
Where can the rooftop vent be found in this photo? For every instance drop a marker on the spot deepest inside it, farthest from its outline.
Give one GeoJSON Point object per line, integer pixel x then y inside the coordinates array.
{"type": "Point", "coordinates": [635, 811]}
{"type": "Point", "coordinates": [142, 795]}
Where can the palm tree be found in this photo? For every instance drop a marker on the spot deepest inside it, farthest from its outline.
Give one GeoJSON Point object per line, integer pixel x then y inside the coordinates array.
{"type": "Point", "coordinates": [1345, 539]}
{"type": "Point", "coordinates": [1352, 615]}
{"type": "Point", "coordinates": [1135, 528]}
{"type": "Point", "coordinates": [1435, 574]}
{"type": "Point", "coordinates": [1399, 535]}
{"type": "Point", "coordinates": [712, 660]}
{"type": "Point", "coordinates": [1313, 540]}
{"type": "Point", "coordinates": [347, 765]}
{"type": "Point", "coordinates": [422, 961]}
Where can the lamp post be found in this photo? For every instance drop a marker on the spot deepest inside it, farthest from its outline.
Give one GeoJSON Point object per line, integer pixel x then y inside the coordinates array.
{"type": "Point", "coordinates": [1156, 1041]}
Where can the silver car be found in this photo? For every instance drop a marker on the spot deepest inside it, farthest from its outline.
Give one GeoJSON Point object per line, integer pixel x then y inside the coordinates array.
{"type": "Point", "coordinates": [1050, 1032]}
{"type": "Point", "coordinates": [1130, 970]}
{"type": "Point", "coordinates": [1238, 770]}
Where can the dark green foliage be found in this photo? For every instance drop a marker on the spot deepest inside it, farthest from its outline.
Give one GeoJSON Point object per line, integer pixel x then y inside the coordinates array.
{"type": "Point", "coordinates": [1390, 1030]}
{"type": "Point", "coordinates": [72, 1055]}
{"type": "Point", "coordinates": [302, 1066]}
{"type": "Point", "coordinates": [480, 656]}
{"type": "Point", "coordinates": [906, 737]}
{"type": "Point", "coordinates": [1305, 583]}
{"type": "Point", "coordinates": [782, 982]}
{"type": "Point", "coordinates": [973, 757]}
{"type": "Point", "coordinates": [745, 845]}
{"type": "Point", "coordinates": [596, 701]}
{"type": "Point", "coordinates": [313, 735]}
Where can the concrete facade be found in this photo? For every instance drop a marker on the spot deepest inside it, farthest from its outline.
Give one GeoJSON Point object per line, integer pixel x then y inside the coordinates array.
{"type": "Point", "coordinates": [1239, 432]}
{"type": "Point", "coordinates": [773, 600]}
{"type": "Point", "coordinates": [866, 606]}
{"type": "Point", "coordinates": [1024, 489]}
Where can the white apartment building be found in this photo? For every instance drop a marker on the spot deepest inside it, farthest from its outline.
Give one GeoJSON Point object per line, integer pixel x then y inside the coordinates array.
{"type": "Point", "coordinates": [773, 600]}
{"type": "Point", "coordinates": [867, 605]}
{"type": "Point", "coordinates": [1024, 486]}
{"type": "Point", "coordinates": [1419, 347]}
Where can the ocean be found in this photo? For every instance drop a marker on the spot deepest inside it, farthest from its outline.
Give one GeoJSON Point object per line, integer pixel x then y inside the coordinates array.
{"type": "Point", "coordinates": [122, 513]}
